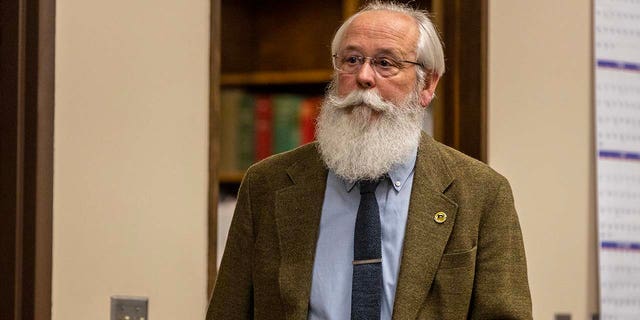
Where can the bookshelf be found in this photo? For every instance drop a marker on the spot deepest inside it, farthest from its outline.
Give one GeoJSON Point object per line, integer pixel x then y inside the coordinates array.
{"type": "Point", "coordinates": [270, 48]}
{"type": "Point", "coordinates": [230, 176]}
{"type": "Point", "coordinates": [283, 47]}
{"type": "Point", "coordinates": [275, 77]}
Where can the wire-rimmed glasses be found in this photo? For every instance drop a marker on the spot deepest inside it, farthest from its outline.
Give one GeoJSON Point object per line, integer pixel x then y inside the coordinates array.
{"type": "Point", "coordinates": [384, 66]}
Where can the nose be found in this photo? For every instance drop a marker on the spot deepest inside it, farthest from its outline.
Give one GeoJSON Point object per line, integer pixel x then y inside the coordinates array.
{"type": "Point", "coordinates": [366, 75]}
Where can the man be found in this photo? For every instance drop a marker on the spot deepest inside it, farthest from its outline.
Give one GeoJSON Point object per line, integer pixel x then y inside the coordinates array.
{"type": "Point", "coordinates": [375, 220]}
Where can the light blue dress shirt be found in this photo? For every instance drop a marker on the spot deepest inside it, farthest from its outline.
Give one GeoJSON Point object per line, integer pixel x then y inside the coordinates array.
{"type": "Point", "coordinates": [332, 268]}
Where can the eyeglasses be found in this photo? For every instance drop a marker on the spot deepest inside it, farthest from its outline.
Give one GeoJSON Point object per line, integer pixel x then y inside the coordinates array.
{"type": "Point", "coordinates": [384, 66]}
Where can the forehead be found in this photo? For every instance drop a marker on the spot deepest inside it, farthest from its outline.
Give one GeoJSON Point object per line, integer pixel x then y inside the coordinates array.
{"type": "Point", "coordinates": [381, 30]}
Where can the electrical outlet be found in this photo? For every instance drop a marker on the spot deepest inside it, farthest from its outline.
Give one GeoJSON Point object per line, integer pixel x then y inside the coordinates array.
{"type": "Point", "coordinates": [129, 308]}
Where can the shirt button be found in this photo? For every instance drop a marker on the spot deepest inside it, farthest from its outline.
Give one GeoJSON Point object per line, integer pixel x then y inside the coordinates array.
{"type": "Point", "coordinates": [398, 183]}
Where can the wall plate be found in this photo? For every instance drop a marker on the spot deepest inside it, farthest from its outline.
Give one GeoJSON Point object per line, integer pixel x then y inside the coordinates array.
{"type": "Point", "coordinates": [129, 308]}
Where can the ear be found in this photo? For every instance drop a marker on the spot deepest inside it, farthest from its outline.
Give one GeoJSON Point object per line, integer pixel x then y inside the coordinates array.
{"type": "Point", "coordinates": [427, 93]}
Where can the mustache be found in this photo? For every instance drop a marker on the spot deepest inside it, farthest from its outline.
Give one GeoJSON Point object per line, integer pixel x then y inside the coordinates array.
{"type": "Point", "coordinates": [369, 98]}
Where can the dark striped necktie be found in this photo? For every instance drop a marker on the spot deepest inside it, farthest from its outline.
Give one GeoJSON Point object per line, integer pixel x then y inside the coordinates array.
{"type": "Point", "coordinates": [366, 285]}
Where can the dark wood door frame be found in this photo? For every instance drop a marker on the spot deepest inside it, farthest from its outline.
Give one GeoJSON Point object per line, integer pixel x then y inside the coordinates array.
{"type": "Point", "coordinates": [26, 157]}
{"type": "Point", "coordinates": [460, 111]}
{"type": "Point", "coordinates": [214, 142]}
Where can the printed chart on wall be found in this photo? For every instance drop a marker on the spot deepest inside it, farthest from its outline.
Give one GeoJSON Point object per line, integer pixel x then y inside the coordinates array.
{"type": "Point", "coordinates": [617, 104]}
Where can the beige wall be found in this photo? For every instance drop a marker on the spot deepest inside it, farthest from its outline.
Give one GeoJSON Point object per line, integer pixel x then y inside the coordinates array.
{"type": "Point", "coordinates": [540, 137]}
{"type": "Point", "coordinates": [131, 140]}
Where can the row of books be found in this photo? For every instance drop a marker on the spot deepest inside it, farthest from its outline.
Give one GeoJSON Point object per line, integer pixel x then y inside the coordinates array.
{"type": "Point", "coordinates": [255, 126]}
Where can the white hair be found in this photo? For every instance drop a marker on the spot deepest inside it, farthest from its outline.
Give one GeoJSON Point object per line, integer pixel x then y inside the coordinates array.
{"type": "Point", "coordinates": [428, 47]}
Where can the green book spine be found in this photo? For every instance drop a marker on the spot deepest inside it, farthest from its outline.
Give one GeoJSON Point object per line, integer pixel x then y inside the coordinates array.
{"type": "Point", "coordinates": [286, 126]}
{"type": "Point", "coordinates": [230, 100]}
{"type": "Point", "coordinates": [246, 132]}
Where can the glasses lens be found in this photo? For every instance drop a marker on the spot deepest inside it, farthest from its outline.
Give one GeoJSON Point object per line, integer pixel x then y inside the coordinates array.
{"type": "Point", "coordinates": [386, 67]}
{"type": "Point", "coordinates": [349, 64]}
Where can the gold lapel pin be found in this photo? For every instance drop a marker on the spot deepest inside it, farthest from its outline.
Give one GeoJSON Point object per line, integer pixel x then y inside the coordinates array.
{"type": "Point", "coordinates": [440, 217]}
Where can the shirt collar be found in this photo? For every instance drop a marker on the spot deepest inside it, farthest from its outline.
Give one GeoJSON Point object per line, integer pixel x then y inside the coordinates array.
{"type": "Point", "coordinates": [398, 175]}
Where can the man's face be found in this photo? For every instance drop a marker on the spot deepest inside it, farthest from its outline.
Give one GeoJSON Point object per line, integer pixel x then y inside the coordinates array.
{"type": "Point", "coordinates": [369, 123]}
{"type": "Point", "coordinates": [376, 34]}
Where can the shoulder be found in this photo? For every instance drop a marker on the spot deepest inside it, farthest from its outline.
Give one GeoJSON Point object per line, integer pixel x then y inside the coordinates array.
{"type": "Point", "coordinates": [277, 170]}
{"type": "Point", "coordinates": [463, 164]}
{"type": "Point", "coordinates": [465, 171]}
{"type": "Point", "coordinates": [282, 161]}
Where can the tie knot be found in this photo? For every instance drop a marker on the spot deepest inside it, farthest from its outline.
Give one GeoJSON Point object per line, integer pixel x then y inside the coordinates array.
{"type": "Point", "coordinates": [368, 186]}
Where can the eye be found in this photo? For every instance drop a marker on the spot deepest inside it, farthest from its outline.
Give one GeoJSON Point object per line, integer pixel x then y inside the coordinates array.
{"type": "Point", "coordinates": [385, 62]}
{"type": "Point", "coordinates": [352, 59]}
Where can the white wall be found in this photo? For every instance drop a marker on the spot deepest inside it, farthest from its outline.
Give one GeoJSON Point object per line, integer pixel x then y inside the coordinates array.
{"type": "Point", "coordinates": [131, 141]}
{"type": "Point", "coordinates": [540, 137]}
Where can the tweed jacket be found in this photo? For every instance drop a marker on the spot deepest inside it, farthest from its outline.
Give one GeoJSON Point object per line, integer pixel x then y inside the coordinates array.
{"type": "Point", "coordinates": [471, 266]}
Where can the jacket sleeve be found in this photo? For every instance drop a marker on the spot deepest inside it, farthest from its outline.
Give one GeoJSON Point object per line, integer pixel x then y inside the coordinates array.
{"type": "Point", "coordinates": [232, 296]}
{"type": "Point", "coordinates": [501, 289]}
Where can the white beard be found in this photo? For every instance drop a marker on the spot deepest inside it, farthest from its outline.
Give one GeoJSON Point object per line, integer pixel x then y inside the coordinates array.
{"type": "Point", "coordinates": [358, 147]}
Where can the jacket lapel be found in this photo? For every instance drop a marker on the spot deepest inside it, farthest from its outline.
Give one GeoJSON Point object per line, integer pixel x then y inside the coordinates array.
{"type": "Point", "coordinates": [425, 239]}
{"type": "Point", "coordinates": [298, 210]}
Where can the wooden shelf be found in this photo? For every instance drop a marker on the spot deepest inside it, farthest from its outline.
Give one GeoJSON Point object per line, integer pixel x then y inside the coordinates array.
{"type": "Point", "coordinates": [230, 176]}
{"type": "Point", "coordinates": [276, 77]}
